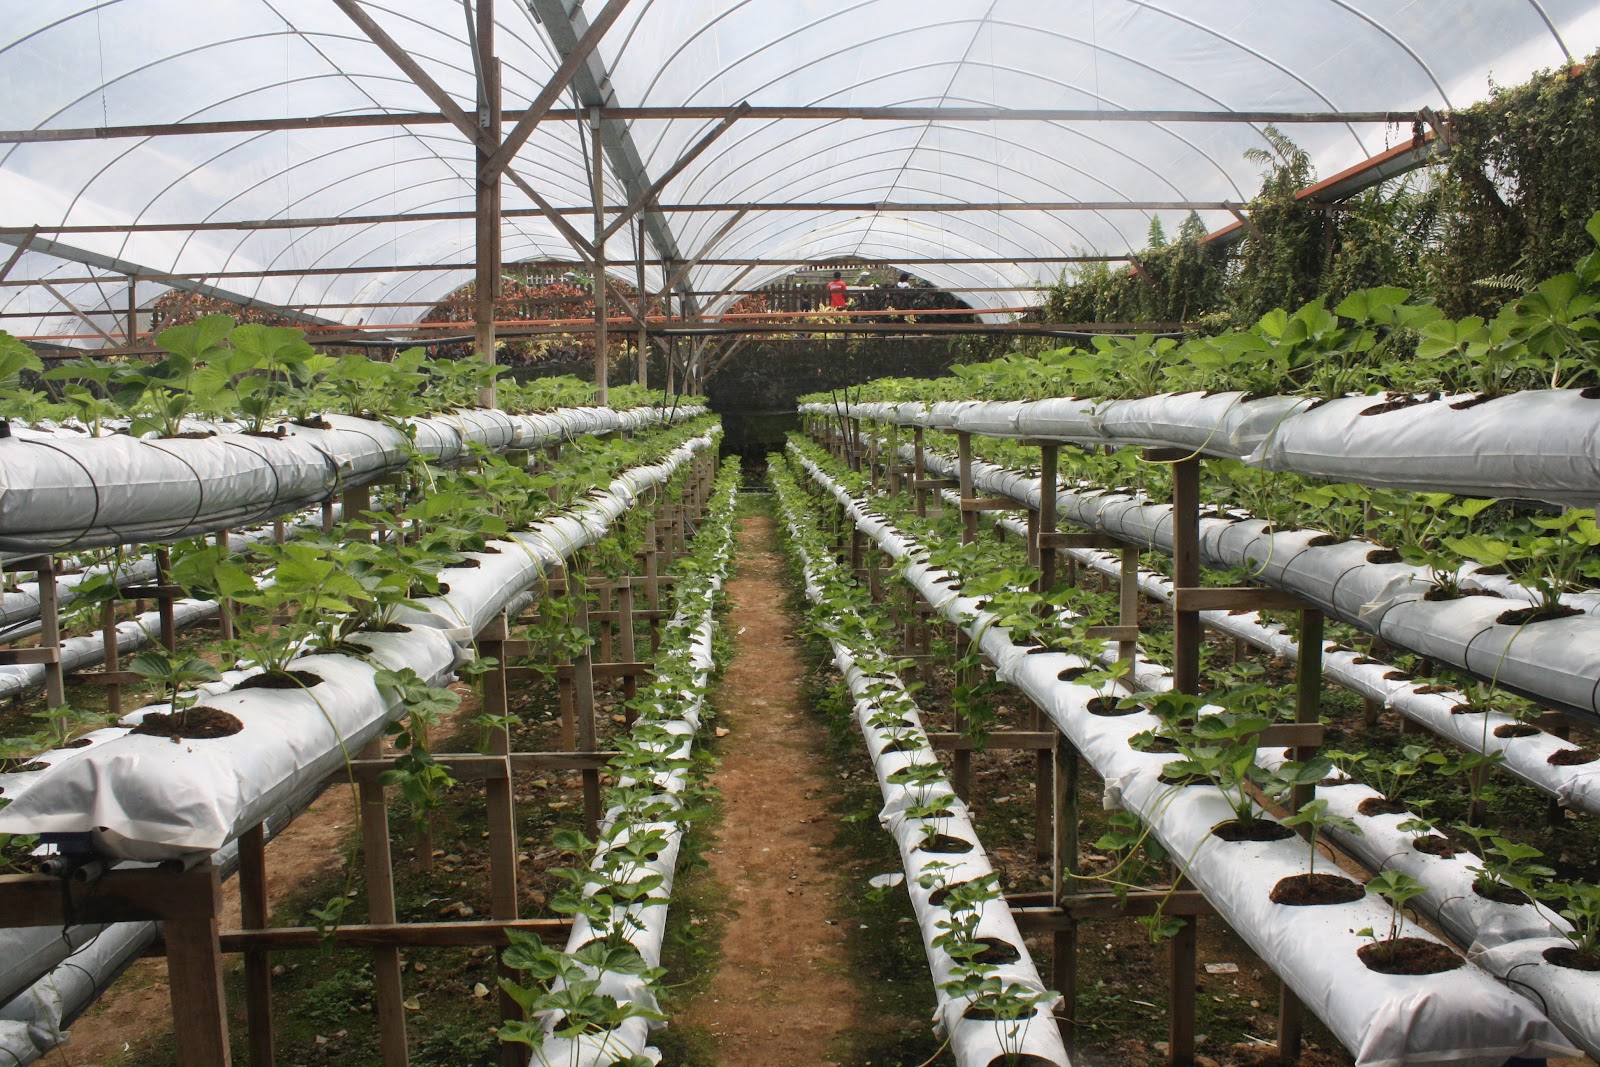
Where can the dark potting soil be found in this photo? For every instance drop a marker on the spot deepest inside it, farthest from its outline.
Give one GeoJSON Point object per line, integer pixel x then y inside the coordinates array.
{"type": "Point", "coordinates": [1310, 890]}
{"type": "Point", "coordinates": [1325, 540]}
{"type": "Point", "coordinates": [1072, 674]}
{"type": "Point", "coordinates": [1515, 729]}
{"type": "Point", "coordinates": [1159, 746]}
{"type": "Point", "coordinates": [1566, 956]}
{"type": "Point", "coordinates": [1502, 894]}
{"type": "Point", "coordinates": [1363, 661]}
{"type": "Point", "coordinates": [944, 845]}
{"type": "Point", "coordinates": [1535, 613]}
{"type": "Point", "coordinates": [188, 435]}
{"type": "Point", "coordinates": [1429, 690]}
{"type": "Point", "coordinates": [942, 894]}
{"type": "Point", "coordinates": [1110, 709]}
{"type": "Point", "coordinates": [902, 746]}
{"type": "Point", "coordinates": [27, 768]}
{"type": "Point", "coordinates": [318, 423]}
{"type": "Point", "coordinates": [1380, 806]}
{"type": "Point", "coordinates": [1397, 404]}
{"type": "Point", "coordinates": [194, 724]}
{"type": "Point", "coordinates": [1383, 555]}
{"type": "Point", "coordinates": [1408, 955]}
{"type": "Point", "coordinates": [1573, 757]}
{"type": "Point", "coordinates": [1467, 709]}
{"type": "Point", "coordinates": [1473, 401]}
{"type": "Point", "coordinates": [1254, 830]}
{"type": "Point", "coordinates": [1436, 595]}
{"type": "Point", "coordinates": [467, 562]}
{"type": "Point", "coordinates": [1434, 845]}
{"type": "Point", "coordinates": [281, 680]}
{"type": "Point", "coordinates": [82, 742]}
{"type": "Point", "coordinates": [1173, 778]}
{"type": "Point", "coordinates": [996, 951]}
{"type": "Point", "coordinates": [1591, 393]}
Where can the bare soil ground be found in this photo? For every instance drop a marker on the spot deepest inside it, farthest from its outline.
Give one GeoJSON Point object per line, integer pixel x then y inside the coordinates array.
{"type": "Point", "coordinates": [781, 993]}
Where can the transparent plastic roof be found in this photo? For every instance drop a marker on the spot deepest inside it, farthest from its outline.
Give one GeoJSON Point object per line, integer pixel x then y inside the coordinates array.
{"type": "Point", "coordinates": [78, 63]}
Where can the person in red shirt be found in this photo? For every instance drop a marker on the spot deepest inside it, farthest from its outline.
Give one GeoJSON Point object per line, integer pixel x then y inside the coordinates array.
{"type": "Point", "coordinates": [838, 292]}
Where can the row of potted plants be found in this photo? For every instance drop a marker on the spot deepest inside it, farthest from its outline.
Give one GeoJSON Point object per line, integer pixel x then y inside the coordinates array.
{"type": "Point", "coordinates": [1381, 1017]}
{"type": "Point", "coordinates": [992, 1006]}
{"type": "Point", "coordinates": [596, 1004]}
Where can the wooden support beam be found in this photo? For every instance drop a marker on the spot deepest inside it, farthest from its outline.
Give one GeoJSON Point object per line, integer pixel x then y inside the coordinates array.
{"type": "Point", "coordinates": [990, 503]}
{"type": "Point", "coordinates": [541, 105]}
{"type": "Point", "coordinates": [1082, 907]}
{"type": "Point", "coordinates": [1000, 740]}
{"type": "Point", "coordinates": [1234, 598]}
{"type": "Point", "coordinates": [645, 198]}
{"type": "Point", "coordinates": [468, 934]}
{"type": "Point", "coordinates": [1058, 539]}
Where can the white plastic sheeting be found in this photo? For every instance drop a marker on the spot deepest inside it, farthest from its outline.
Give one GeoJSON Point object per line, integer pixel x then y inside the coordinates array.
{"type": "Point", "coordinates": [975, 1042]}
{"type": "Point", "coordinates": [1461, 1016]}
{"type": "Point", "coordinates": [1536, 445]}
{"type": "Point", "coordinates": [85, 493]}
{"type": "Point", "coordinates": [140, 61]}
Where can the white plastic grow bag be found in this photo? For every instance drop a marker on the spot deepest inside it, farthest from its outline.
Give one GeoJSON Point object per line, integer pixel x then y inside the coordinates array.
{"type": "Point", "coordinates": [1569, 995]}
{"type": "Point", "coordinates": [1539, 445]}
{"type": "Point", "coordinates": [111, 490]}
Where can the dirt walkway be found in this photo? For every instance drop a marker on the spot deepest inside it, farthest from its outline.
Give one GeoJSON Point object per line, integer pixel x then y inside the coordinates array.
{"type": "Point", "coordinates": [781, 991]}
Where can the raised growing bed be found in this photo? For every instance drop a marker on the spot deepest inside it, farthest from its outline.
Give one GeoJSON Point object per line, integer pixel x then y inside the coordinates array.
{"type": "Point", "coordinates": [204, 793]}
{"type": "Point", "coordinates": [672, 719]}
{"type": "Point", "coordinates": [1462, 1015]}
{"type": "Point", "coordinates": [976, 1042]}
{"type": "Point", "coordinates": [124, 490]}
{"type": "Point", "coordinates": [1534, 445]}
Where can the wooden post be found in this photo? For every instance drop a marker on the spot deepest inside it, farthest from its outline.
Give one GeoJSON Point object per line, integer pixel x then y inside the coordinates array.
{"type": "Point", "coordinates": [969, 519]}
{"type": "Point", "coordinates": [626, 648]}
{"type": "Point", "coordinates": [598, 185]}
{"type": "Point", "coordinates": [486, 203]}
{"type": "Point", "coordinates": [1049, 460]}
{"type": "Point", "coordinates": [1187, 632]}
{"type": "Point", "coordinates": [961, 758]}
{"type": "Point", "coordinates": [169, 625]}
{"type": "Point", "coordinates": [583, 699]}
{"type": "Point", "coordinates": [1063, 867]}
{"type": "Point", "coordinates": [919, 471]}
{"type": "Point", "coordinates": [652, 585]}
{"type": "Point", "coordinates": [641, 355]}
{"type": "Point", "coordinates": [224, 607]}
{"type": "Point", "coordinates": [379, 868]}
{"type": "Point", "coordinates": [194, 975]}
{"type": "Point", "coordinates": [1181, 1011]}
{"type": "Point", "coordinates": [1128, 602]}
{"type": "Point", "coordinates": [500, 801]}
{"type": "Point", "coordinates": [1307, 709]}
{"type": "Point", "coordinates": [257, 961]}
{"type": "Point", "coordinates": [111, 655]}
{"type": "Point", "coordinates": [55, 689]}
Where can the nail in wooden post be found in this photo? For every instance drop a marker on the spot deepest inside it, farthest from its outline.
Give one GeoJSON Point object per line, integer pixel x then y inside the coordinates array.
{"type": "Point", "coordinates": [379, 866]}
{"type": "Point", "coordinates": [257, 961]}
{"type": "Point", "coordinates": [194, 974]}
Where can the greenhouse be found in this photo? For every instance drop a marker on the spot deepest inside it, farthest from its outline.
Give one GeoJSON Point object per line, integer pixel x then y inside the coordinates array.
{"type": "Point", "coordinates": [754, 533]}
